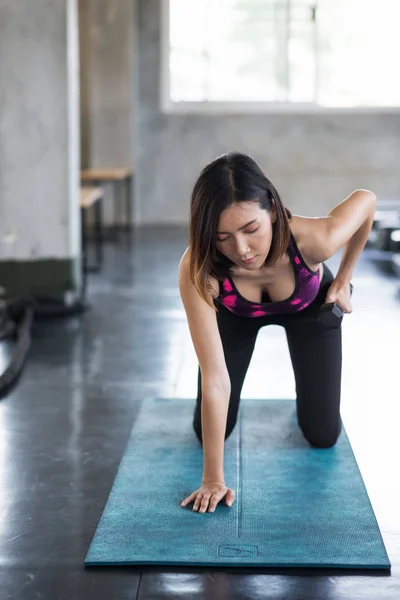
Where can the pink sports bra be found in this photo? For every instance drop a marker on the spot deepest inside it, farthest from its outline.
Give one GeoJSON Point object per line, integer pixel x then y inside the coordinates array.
{"type": "Point", "coordinates": [305, 291]}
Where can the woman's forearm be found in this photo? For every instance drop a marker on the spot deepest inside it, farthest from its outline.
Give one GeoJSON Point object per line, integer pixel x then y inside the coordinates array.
{"type": "Point", "coordinates": [353, 249]}
{"type": "Point", "coordinates": [214, 412]}
{"type": "Point", "coordinates": [358, 207]}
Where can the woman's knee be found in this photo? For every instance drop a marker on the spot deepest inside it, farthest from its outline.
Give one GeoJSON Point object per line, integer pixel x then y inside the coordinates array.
{"type": "Point", "coordinates": [324, 443]}
{"type": "Point", "coordinates": [323, 439]}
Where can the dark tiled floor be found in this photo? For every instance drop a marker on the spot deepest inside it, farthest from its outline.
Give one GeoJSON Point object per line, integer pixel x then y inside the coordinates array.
{"type": "Point", "coordinates": [65, 426]}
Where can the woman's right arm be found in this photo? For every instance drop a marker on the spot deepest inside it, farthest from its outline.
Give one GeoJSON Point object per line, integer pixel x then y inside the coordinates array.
{"type": "Point", "coordinates": [216, 385]}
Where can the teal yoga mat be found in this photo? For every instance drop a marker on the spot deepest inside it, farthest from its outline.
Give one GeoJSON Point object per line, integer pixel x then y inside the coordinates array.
{"type": "Point", "coordinates": [296, 506]}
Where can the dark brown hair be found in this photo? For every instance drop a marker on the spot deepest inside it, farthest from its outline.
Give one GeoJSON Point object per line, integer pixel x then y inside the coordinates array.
{"type": "Point", "coordinates": [229, 179]}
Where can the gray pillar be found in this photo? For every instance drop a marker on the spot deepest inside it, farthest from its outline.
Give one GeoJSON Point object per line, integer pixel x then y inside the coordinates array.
{"type": "Point", "coordinates": [39, 146]}
{"type": "Point", "coordinates": [106, 29]}
{"type": "Point", "coordinates": [106, 40]}
{"type": "Point", "coordinates": [149, 121]}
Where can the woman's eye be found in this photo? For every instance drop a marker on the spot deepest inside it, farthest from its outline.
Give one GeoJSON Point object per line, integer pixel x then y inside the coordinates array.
{"type": "Point", "coordinates": [252, 231]}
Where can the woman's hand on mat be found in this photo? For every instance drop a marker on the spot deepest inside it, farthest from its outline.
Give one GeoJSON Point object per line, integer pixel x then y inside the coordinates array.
{"type": "Point", "coordinates": [339, 292]}
{"type": "Point", "coordinates": [208, 496]}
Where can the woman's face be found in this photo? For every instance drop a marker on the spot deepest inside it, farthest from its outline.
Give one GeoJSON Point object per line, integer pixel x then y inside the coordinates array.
{"type": "Point", "coordinates": [245, 232]}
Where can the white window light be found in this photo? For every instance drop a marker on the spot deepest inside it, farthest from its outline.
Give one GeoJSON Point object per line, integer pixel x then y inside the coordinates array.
{"type": "Point", "coordinates": [280, 55]}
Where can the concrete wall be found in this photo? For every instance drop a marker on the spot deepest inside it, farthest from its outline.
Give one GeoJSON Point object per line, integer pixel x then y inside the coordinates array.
{"type": "Point", "coordinates": [39, 142]}
{"type": "Point", "coordinates": [314, 160]}
{"type": "Point", "coordinates": [106, 29]}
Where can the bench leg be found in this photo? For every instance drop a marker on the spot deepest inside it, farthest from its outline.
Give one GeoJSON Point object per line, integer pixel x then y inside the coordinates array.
{"type": "Point", "coordinates": [98, 240]}
{"type": "Point", "coordinates": [84, 264]}
{"type": "Point", "coordinates": [98, 229]}
{"type": "Point", "coordinates": [129, 205]}
{"type": "Point", "coordinates": [116, 200]}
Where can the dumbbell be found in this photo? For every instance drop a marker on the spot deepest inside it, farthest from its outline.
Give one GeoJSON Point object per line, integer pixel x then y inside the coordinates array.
{"type": "Point", "coordinates": [331, 312]}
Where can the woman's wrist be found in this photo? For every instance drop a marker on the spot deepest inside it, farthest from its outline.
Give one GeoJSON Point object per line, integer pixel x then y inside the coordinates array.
{"type": "Point", "coordinates": [342, 278]}
{"type": "Point", "coordinates": [213, 481]}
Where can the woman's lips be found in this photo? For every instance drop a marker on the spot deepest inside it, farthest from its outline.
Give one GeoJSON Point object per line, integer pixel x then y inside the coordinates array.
{"type": "Point", "coordinates": [249, 261]}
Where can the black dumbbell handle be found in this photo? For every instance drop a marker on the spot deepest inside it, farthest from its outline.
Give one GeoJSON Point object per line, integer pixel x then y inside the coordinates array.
{"type": "Point", "coordinates": [330, 311]}
{"type": "Point", "coordinates": [333, 308]}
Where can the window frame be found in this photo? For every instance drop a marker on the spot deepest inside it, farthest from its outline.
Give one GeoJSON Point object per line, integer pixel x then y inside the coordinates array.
{"type": "Point", "coordinates": [213, 107]}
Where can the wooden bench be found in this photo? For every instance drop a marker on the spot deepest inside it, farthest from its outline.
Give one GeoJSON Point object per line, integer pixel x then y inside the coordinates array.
{"type": "Point", "coordinates": [121, 180]}
{"type": "Point", "coordinates": [90, 195]}
{"type": "Point", "coordinates": [90, 198]}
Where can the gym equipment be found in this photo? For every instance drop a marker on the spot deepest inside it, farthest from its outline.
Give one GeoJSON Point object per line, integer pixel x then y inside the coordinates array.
{"type": "Point", "coordinates": [330, 313]}
{"type": "Point", "coordinates": [395, 240]}
{"type": "Point", "coordinates": [296, 505]}
{"type": "Point", "coordinates": [385, 230]}
{"type": "Point", "coordinates": [396, 263]}
{"type": "Point", "coordinates": [16, 319]}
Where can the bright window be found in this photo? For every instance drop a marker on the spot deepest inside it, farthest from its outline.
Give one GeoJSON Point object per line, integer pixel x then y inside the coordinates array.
{"type": "Point", "coordinates": [316, 53]}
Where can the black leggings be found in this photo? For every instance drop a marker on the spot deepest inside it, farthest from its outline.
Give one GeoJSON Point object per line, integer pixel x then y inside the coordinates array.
{"type": "Point", "coordinates": [316, 355]}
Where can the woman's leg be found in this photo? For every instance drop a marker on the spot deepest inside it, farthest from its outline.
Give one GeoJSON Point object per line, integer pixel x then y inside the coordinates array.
{"type": "Point", "coordinates": [238, 336]}
{"type": "Point", "coordinates": [316, 354]}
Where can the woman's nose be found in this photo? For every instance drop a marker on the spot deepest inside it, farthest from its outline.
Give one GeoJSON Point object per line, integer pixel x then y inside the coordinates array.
{"type": "Point", "coordinates": [242, 248]}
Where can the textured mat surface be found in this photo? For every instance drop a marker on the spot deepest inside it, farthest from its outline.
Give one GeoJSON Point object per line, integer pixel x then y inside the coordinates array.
{"type": "Point", "coordinates": [296, 506]}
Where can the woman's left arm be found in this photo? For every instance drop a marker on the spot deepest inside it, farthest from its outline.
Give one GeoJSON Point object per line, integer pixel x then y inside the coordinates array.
{"type": "Point", "coordinates": [346, 226]}
{"type": "Point", "coordinates": [349, 226]}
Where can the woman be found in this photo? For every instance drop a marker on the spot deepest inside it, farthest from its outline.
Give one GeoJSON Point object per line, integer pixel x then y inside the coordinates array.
{"type": "Point", "coordinates": [251, 263]}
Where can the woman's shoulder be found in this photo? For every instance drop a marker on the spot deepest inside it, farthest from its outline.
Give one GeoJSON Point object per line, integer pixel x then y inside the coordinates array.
{"type": "Point", "coordinates": [303, 231]}
{"type": "Point", "coordinates": [299, 226]}
{"type": "Point", "coordinates": [184, 266]}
